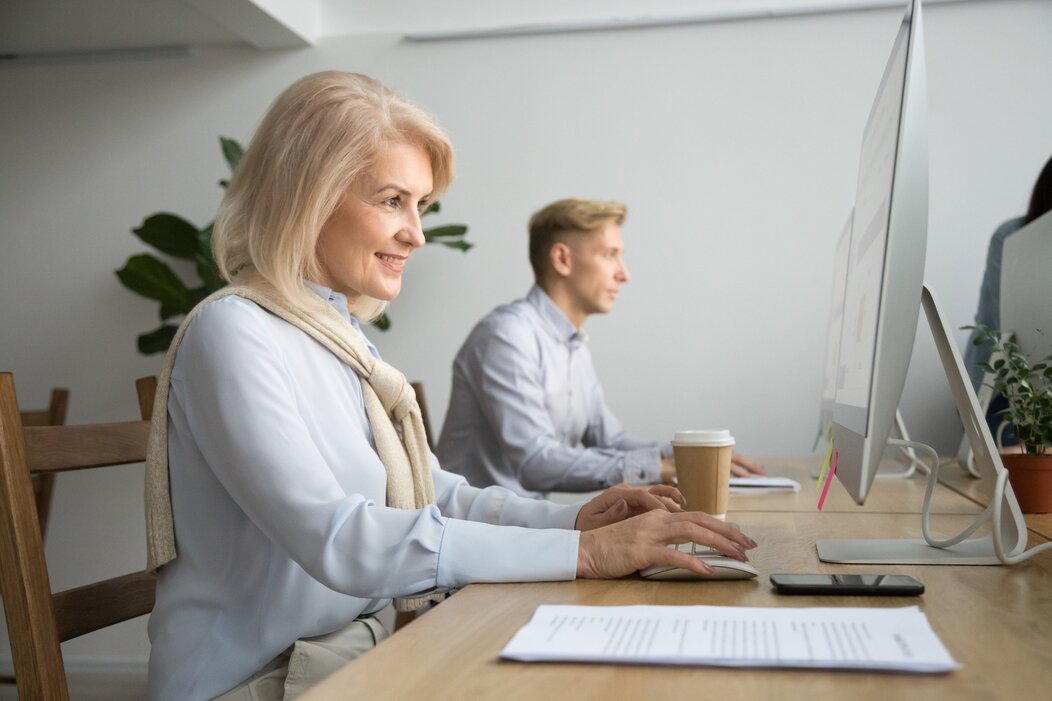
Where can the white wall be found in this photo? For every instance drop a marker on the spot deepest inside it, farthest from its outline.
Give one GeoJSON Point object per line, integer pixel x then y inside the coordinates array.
{"type": "Point", "coordinates": [735, 146]}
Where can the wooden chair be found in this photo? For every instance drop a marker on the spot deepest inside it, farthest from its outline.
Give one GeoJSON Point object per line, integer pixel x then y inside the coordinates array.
{"type": "Point", "coordinates": [37, 620]}
{"type": "Point", "coordinates": [44, 485]}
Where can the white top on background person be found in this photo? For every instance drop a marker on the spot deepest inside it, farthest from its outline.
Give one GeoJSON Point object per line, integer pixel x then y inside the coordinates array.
{"type": "Point", "coordinates": [527, 410]}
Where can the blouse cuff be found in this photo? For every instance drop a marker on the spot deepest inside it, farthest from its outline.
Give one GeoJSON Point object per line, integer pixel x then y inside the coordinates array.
{"type": "Point", "coordinates": [479, 552]}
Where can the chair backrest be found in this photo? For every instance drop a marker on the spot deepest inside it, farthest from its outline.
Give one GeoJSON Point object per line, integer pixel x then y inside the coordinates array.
{"type": "Point", "coordinates": [37, 620]}
{"type": "Point", "coordinates": [54, 415]}
{"type": "Point", "coordinates": [418, 387]}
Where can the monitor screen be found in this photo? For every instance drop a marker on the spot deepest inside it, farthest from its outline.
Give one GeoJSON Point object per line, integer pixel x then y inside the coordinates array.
{"type": "Point", "coordinates": [885, 263]}
{"type": "Point", "coordinates": [836, 316]}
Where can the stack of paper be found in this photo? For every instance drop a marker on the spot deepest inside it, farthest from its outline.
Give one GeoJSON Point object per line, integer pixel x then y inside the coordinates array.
{"type": "Point", "coordinates": [848, 638]}
{"type": "Point", "coordinates": [762, 485]}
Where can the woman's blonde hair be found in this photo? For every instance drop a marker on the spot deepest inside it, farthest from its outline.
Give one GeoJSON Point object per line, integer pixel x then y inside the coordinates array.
{"type": "Point", "coordinates": [318, 138]}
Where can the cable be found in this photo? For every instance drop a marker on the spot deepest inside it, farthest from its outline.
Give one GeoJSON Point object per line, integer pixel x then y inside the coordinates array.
{"type": "Point", "coordinates": [1008, 559]}
{"type": "Point", "coordinates": [933, 480]}
{"type": "Point", "coordinates": [993, 509]}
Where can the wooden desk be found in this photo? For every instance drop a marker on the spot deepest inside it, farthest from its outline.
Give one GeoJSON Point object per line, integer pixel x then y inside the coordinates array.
{"type": "Point", "coordinates": [996, 621]}
{"type": "Point", "coordinates": [886, 496]}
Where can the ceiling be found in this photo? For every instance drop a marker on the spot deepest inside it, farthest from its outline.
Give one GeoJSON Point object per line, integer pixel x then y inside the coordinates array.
{"type": "Point", "coordinates": [34, 29]}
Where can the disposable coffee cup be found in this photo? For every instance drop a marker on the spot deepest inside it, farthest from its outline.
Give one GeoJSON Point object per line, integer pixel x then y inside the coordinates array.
{"type": "Point", "coordinates": [703, 469]}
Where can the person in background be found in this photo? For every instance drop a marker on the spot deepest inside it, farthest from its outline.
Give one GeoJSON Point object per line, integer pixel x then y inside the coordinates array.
{"type": "Point", "coordinates": [290, 494]}
{"type": "Point", "coordinates": [527, 410]}
{"type": "Point", "coordinates": [989, 312]}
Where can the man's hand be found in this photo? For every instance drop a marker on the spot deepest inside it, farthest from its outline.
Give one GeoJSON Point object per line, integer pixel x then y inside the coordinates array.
{"type": "Point", "coordinates": [625, 547]}
{"type": "Point", "coordinates": [742, 466]}
{"type": "Point", "coordinates": [668, 470]}
{"type": "Point", "coordinates": [621, 502]}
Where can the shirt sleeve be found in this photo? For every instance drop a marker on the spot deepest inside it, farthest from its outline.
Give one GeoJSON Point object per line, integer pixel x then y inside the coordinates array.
{"type": "Point", "coordinates": [234, 389]}
{"type": "Point", "coordinates": [512, 398]}
{"type": "Point", "coordinates": [642, 458]}
{"type": "Point", "coordinates": [497, 505]}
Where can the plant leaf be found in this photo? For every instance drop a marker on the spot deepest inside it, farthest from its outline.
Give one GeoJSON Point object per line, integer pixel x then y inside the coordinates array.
{"type": "Point", "coordinates": [382, 322]}
{"type": "Point", "coordinates": [232, 151]}
{"type": "Point", "coordinates": [168, 310]}
{"type": "Point", "coordinates": [158, 340]}
{"type": "Point", "coordinates": [204, 241]}
{"type": "Point", "coordinates": [145, 275]}
{"type": "Point", "coordinates": [459, 245]}
{"type": "Point", "coordinates": [169, 234]}
{"type": "Point", "coordinates": [209, 274]}
{"type": "Point", "coordinates": [448, 231]}
{"type": "Point", "coordinates": [432, 208]}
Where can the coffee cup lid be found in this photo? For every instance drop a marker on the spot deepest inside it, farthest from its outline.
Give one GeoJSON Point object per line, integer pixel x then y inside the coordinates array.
{"type": "Point", "coordinates": [709, 437]}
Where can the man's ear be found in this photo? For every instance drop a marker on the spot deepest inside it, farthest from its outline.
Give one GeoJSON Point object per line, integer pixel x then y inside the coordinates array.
{"type": "Point", "coordinates": [561, 258]}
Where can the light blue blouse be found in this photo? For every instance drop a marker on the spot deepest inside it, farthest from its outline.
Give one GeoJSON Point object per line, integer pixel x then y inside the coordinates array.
{"type": "Point", "coordinates": [278, 496]}
{"type": "Point", "coordinates": [527, 411]}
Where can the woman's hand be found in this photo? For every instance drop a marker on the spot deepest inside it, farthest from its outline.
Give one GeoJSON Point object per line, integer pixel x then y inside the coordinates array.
{"type": "Point", "coordinates": [621, 502]}
{"type": "Point", "coordinates": [630, 545]}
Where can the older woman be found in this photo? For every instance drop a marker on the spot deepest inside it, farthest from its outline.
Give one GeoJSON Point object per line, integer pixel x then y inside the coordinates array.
{"type": "Point", "coordinates": [292, 470]}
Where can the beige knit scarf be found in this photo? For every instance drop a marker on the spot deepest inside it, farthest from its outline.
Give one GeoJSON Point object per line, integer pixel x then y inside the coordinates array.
{"type": "Point", "coordinates": [389, 401]}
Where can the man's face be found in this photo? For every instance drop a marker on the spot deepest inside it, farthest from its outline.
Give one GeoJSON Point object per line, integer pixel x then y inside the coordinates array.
{"type": "Point", "coordinates": [597, 270]}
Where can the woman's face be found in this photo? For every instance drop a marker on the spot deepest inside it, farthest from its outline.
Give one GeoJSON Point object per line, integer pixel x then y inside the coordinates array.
{"type": "Point", "coordinates": [364, 245]}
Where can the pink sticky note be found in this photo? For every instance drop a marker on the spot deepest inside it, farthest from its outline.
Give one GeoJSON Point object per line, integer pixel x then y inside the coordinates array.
{"type": "Point", "coordinates": [829, 480]}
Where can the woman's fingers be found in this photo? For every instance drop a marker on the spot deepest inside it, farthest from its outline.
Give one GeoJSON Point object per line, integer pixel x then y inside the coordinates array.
{"type": "Point", "coordinates": [639, 542]}
{"type": "Point", "coordinates": [667, 490]}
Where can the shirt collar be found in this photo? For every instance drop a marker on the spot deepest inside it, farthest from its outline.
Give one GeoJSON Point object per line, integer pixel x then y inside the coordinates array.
{"type": "Point", "coordinates": [338, 301]}
{"type": "Point", "coordinates": [556, 320]}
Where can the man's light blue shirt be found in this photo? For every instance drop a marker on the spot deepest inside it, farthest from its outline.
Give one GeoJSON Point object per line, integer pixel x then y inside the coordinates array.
{"type": "Point", "coordinates": [527, 411]}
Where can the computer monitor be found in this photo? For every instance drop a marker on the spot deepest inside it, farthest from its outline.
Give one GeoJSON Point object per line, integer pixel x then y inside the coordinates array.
{"type": "Point", "coordinates": [882, 300]}
{"type": "Point", "coordinates": [885, 263]}
{"type": "Point", "coordinates": [1025, 311]}
{"type": "Point", "coordinates": [1026, 287]}
{"type": "Point", "coordinates": [836, 316]}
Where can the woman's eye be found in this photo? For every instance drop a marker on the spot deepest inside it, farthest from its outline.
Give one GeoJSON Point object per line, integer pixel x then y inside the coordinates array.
{"type": "Point", "coordinates": [422, 207]}
{"type": "Point", "coordinates": [391, 201]}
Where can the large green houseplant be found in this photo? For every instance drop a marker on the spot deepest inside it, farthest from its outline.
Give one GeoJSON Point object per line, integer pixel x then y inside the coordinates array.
{"type": "Point", "coordinates": [149, 276]}
{"type": "Point", "coordinates": [1026, 386]}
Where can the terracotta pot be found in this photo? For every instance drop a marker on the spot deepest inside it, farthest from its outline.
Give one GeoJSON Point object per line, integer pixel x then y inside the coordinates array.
{"type": "Point", "coordinates": [1031, 478]}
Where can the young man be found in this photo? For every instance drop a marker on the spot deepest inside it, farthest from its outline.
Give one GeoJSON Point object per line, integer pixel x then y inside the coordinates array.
{"type": "Point", "coordinates": [527, 411]}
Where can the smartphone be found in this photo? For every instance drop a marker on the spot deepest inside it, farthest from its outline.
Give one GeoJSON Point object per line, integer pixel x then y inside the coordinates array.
{"type": "Point", "coordinates": [849, 584]}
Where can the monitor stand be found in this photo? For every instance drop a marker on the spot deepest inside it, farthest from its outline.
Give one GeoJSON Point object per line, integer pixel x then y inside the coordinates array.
{"type": "Point", "coordinates": [965, 459]}
{"type": "Point", "coordinates": [1009, 530]}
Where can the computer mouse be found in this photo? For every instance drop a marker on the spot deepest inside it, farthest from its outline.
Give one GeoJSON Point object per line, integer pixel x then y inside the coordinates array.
{"type": "Point", "coordinates": [724, 568]}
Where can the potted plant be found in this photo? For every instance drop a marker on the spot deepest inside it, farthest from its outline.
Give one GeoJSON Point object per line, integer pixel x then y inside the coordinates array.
{"type": "Point", "coordinates": [149, 276]}
{"type": "Point", "coordinates": [1027, 388]}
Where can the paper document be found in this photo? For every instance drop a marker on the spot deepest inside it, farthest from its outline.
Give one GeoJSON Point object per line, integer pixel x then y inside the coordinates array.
{"type": "Point", "coordinates": [761, 485]}
{"type": "Point", "coordinates": [729, 636]}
